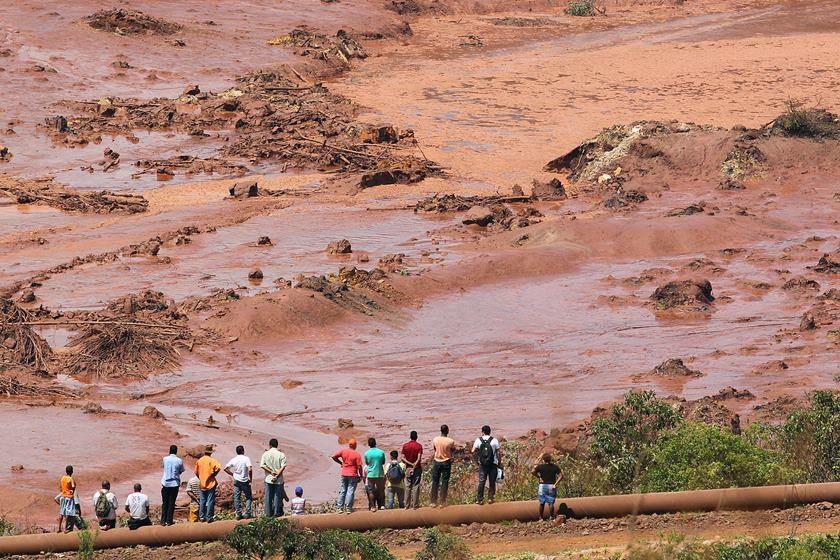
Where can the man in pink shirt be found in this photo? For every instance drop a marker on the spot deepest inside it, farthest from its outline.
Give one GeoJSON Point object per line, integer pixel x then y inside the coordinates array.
{"type": "Point", "coordinates": [351, 473]}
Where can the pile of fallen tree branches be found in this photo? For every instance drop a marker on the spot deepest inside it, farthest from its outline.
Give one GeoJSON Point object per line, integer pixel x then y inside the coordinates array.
{"type": "Point", "coordinates": [11, 386]}
{"type": "Point", "coordinates": [20, 345]}
{"type": "Point", "coordinates": [46, 192]}
{"type": "Point", "coordinates": [117, 349]}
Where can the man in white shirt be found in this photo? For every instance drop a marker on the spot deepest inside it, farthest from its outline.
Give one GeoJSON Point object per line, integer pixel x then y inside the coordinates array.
{"type": "Point", "coordinates": [273, 463]}
{"type": "Point", "coordinates": [488, 456]}
{"type": "Point", "coordinates": [241, 470]}
{"type": "Point", "coordinates": [105, 507]}
{"type": "Point", "coordinates": [137, 506]}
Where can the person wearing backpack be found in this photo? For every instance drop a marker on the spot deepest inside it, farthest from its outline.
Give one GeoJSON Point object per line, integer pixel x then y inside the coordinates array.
{"type": "Point", "coordinates": [488, 456]}
{"type": "Point", "coordinates": [105, 507]}
{"type": "Point", "coordinates": [395, 482]}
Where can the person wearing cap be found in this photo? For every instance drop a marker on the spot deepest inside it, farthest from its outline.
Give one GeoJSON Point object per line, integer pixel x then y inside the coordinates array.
{"type": "Point", "coordinates": [206, 470]}
{"type": "Point", "coordinates": [298, 502]}
{"type": "Point", "coordinates": [351, 473]}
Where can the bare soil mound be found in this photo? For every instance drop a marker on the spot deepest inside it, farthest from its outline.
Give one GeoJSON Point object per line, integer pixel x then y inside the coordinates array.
{"type": "Point", "coordinates": [675, 367]}
{"type": "Point", "coordinates": [130, 22]}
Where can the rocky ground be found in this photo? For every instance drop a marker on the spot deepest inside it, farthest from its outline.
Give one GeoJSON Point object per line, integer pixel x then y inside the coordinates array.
{"type": "Point", "coordinates": [373, 218]}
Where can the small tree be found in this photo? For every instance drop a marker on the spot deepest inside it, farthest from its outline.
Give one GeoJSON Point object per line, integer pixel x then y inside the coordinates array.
{"type": "Point", "coordinates": [620, 442]}
{"type": "Point", "coordinates": [811, 438]}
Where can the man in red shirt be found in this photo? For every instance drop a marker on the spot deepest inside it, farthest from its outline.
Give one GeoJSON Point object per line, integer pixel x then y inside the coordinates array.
{"type": "Point", "coordinates": [412, 455]}
{"type": "Point", "coordinates": [351, 473]}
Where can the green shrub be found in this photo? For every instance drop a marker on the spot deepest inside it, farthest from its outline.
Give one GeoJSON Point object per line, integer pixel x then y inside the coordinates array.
{"type": "Point", "coordinates": [811, 438]}
{"type": "Point", "coordinates": [86, 541]}
{"type": "Point", "coordinates": [704, 456]}
{"type": "Point", "coordinates": [443, 544]}
{"type": "Point", "coordinates": [581, 8]}
{"type": "Point", "coordinates": [620, 442]}
{"type": "Point", "coordinates": [7, 528]}
{"type": "Point", "coordinates": [804, 122]}
{"type": "Point", "coordinates": [269, 537]}
{"type": "Point", "coordinates": [773, 548]}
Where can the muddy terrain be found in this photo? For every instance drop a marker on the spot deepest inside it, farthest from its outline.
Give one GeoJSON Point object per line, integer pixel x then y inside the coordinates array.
{"type": "Point", "coordinates": [241, 222]}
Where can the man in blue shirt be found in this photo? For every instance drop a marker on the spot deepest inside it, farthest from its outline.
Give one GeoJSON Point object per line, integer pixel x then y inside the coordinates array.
{"type": "Point", "coordinates": [173, 467]}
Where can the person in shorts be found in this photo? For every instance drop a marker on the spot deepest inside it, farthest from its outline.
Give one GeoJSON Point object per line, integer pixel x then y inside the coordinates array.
{"type": "Point", "coordinates": [66, 501]}
{"type": "Point", "coordinates": [548, 474]}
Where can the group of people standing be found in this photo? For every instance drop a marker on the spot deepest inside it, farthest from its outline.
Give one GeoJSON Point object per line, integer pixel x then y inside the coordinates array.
{"type": "Point", "coordinates": [395, 482]}
{"type": "Point", "coordinates": [390, 481]}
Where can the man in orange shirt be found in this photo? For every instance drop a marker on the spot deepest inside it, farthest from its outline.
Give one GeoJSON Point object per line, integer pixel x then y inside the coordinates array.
{"type": "Point", "coordinates": [66, 501]}
{"type": "Point", "coordinates": [206, 470]}
{"type": "Point", "coordinates": [442, 466]}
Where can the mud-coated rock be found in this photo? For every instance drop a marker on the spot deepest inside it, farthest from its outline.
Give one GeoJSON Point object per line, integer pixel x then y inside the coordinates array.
{"type": "Point", "coordinates": [478, 215]}
{"type": "Point", "coordinates": [255, 274]}
{"type": "Point", "coordinates": [57, 123]}
{"type": "Point", "coordinates": [264, 240]}
{"type": "Point", "coordinates": [244, 189]}
{"type": "Point", "coordinates": [801, 284]}
{"type": "Point", "coordinates": [808, 322]}
{"type": "Point", "coordinates": [379, 135]}
{"type": "Point", "coordinates": [549, 190]}
{"type": "Point", "coordinates": [345, 424]}
{"type": "Point", "coordinates": [192, 90]}
{"type": "Point", "coordinates": [675, 367]}
{"type": "Point", "coordinates": [341, 247]}
{"type": "Point", "coordinates": [152, 412]}
{"type": "Point", "coordinates": [92, 408]}
{"type": "Point", "coordinates": [829, 263]}
{"type": "Point", "coordinates": [27, 296]}
{"type": "Point", "coordinates": [692, 294]}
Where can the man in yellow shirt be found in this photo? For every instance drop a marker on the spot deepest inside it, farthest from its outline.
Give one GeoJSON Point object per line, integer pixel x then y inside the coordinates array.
{"type": "Point", "coordinates": [206, 470]}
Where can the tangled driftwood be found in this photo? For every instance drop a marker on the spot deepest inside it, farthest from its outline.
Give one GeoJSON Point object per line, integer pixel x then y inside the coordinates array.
{"type": "Point", "coordinates": [19, 343]}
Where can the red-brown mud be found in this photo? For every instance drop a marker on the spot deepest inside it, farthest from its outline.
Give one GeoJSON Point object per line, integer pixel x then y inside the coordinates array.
{"type": "Point", "coordinates": [527, 319]}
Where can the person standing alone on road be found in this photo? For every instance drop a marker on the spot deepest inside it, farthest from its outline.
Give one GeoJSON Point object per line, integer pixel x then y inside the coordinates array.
{"type": "Point", "coordinates": [488, 456]}
{"type": "Point", "coordinates": [412, 455]}
{"type": "Point", "coordinates": [273, 463]}
{"type": "Point", "coordinates": [206, 470]}
{"type": "Point", "coordinates": [374, 460]}
{"type": "Point", "coordinates": [441, 466]}
{"type": "Point", "coordinates": [351, 473]}
{"type": "Point", "coordinates": [173, 468]}
{"type": "Point", "coordinates": [241, 470]}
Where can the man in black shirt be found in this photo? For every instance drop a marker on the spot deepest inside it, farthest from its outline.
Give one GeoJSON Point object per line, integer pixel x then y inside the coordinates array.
{"type": "Point", "coordinates": [548, 474]}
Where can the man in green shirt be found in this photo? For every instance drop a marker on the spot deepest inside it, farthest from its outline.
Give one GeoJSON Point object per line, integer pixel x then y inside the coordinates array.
{"type": "Point", "coordinates": [374, 460]}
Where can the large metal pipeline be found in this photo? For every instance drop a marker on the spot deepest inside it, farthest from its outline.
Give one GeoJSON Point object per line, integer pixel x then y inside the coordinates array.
{"type": "Point", "coordinates": [754, 498]}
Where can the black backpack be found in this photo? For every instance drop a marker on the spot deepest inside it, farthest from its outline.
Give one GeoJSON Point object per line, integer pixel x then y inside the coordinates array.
{"type": "Point", "coordinates": [486, 454]}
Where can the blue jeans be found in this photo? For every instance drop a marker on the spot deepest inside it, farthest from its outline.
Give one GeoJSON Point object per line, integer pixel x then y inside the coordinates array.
{"type": "Point", "coordinates": [241, 489]}
{"type": "Point", "coordinates": [273, 500]}
{"type": "Point", "coordinates": [207, 505]}
{"type": "Point", "coordinates": [347, 492]}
